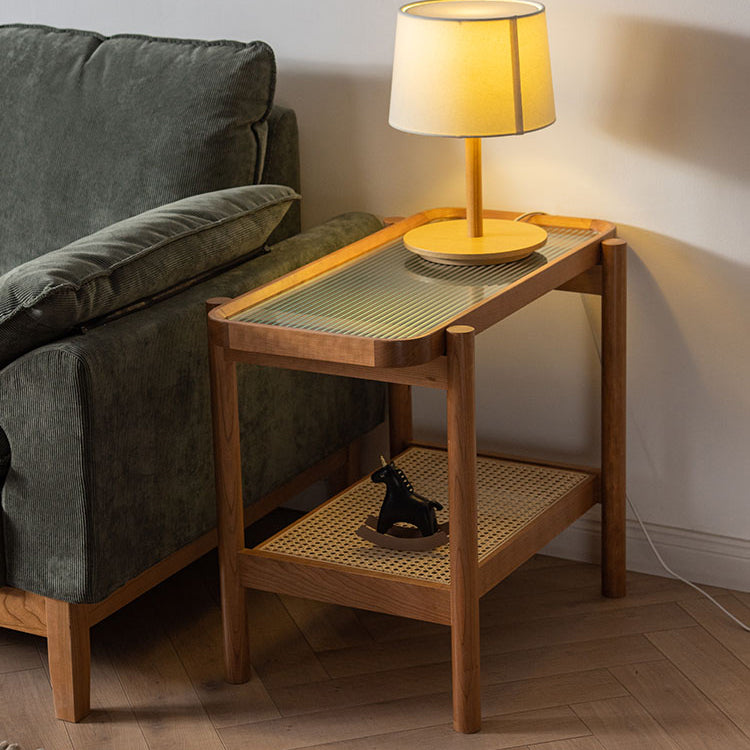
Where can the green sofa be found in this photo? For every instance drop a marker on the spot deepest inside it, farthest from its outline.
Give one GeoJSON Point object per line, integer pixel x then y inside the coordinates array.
{"type": "Point", "coordinates": [140, 177]}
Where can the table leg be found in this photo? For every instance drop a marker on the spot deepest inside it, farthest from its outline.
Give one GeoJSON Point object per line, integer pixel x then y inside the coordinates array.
{"type": "Point", "coordinates": [229, 513]}
{"type": "Point", "coordinates": [614, 280]}
{"type": "Point", "coordinates": [399, 417]}
{"type": "Point", "coordinates": [462, 456]}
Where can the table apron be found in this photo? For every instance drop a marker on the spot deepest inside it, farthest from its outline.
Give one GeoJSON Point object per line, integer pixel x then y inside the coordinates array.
{"type": "Point", "coordinates": [433, 374]}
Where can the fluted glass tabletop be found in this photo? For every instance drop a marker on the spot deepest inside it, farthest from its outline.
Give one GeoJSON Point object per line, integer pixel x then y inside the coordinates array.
{"type": "Point", "coordinates": [392, 293]}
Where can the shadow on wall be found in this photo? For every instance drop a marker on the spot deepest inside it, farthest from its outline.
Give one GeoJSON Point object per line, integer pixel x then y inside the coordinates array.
{"type": "Point", "coordinates": [537, 382]}
{"type": "Point", "coordinates": [352, 160]}
{"type": "Point", "coordinates": [688, 369]}
{"type": "Point", "coordinates": [681, 90]}
{"type": "Point", "coordinates": [689, 405]}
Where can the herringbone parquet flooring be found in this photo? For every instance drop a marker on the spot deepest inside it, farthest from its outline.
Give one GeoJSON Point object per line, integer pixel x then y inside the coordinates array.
{"type": "Point", "coordinates": [562, 668]}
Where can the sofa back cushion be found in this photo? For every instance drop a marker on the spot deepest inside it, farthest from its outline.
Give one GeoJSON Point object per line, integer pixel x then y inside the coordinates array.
{"type": "Point", "coordinates": [95, 129]}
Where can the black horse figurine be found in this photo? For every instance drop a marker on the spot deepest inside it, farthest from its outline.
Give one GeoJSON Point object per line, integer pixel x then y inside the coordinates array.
{"type": "Point", "coordinates": [402, 504]}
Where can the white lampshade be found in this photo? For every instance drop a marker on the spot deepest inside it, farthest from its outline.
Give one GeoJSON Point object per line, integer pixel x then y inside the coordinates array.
{"type": "Point", "coordinates": [471, 68]}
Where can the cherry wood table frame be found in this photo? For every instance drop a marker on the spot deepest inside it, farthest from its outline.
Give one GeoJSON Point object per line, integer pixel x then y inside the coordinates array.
{"type": "Point", "coordinates": [442, 358]}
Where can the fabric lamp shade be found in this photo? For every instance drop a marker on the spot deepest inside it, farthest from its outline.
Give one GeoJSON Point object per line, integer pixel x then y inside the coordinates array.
{"type": "Point", "coordinates": [471, 68]}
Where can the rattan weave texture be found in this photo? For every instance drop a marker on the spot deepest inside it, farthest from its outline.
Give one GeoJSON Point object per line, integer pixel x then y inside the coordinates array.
{"type": "Point", "coordinates": [510, 496]}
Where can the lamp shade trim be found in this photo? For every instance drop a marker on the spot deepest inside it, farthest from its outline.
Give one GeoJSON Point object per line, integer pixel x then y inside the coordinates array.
{"type": "Point", "coordinates": [473, 135]}
{"type": "Point", "coordinates": [470, 10]}
{"type": "Point", "coordinates": [516, 65]}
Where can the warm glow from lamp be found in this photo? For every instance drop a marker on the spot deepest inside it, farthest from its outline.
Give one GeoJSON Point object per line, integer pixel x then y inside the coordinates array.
{"type": "Point", "coordinates": [472, 69]}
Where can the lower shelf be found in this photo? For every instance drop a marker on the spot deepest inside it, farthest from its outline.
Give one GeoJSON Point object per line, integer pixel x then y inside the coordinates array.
{"type": "Point", "coordinates": [520, 507]}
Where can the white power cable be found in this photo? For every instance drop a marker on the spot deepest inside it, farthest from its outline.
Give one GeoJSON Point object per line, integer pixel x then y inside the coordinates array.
{"type": "Point", "coordinates": [651, 544]}
{"type": "Point", "coordinates": [677, 575]}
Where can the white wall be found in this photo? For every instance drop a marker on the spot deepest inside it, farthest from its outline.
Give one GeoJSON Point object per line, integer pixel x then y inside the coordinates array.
{"type": "Point", "coordinates": [652, 133]}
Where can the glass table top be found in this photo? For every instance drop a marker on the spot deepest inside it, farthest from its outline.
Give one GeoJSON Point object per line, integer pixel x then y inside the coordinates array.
{"type": "Point", "coordinates": [391, 293]}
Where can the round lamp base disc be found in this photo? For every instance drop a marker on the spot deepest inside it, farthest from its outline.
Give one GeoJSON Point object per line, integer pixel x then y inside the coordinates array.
{"type": "Point", "coordinates": [448, 242]}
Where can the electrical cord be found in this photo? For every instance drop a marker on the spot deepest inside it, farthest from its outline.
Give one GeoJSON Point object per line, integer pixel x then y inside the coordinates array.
{"type": "Point", "coordinates": [660, 559]}
{"type": "Point", "coordinates": [651, 544]}
{"type": "Point", "coordinates": [677, 575]}
{"type": "Point", "coordinates": [529, 214]}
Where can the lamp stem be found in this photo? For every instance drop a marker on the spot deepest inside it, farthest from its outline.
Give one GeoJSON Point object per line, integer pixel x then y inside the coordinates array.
{"type": "Point", "coordinates": [474, 186]}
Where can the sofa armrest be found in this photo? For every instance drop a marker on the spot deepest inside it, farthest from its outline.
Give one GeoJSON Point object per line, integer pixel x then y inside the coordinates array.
{"type": "Point", "coordinates": [281, 165]}
{"type": "Point", "coordinates": [47, 297]}
{"type": "Point", "coordinates": [110, 432]}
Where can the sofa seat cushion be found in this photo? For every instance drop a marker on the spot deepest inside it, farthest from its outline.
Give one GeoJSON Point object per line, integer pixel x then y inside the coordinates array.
{"type": "Point", "coordinates": [94, 129]}
{"type": "Point", "coordinates": [47, 297]}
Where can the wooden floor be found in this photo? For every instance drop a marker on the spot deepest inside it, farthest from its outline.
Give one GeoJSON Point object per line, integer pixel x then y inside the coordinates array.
{"type": "Point", "coordinates": [562, 668]}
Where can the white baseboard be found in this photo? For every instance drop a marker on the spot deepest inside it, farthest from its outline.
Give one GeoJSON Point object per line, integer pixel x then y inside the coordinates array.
{"type": "Point", "coordinates": [700, 557]}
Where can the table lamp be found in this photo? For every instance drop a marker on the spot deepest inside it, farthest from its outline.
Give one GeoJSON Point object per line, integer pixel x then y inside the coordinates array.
{"type": "Point", "coordinates": [472, 69]}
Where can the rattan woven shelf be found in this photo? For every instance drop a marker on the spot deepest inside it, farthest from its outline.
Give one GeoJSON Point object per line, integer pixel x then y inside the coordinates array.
{"type": "Point", "coordinates": [511, 495]}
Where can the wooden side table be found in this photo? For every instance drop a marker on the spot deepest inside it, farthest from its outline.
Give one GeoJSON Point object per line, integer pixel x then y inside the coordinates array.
{"type": "Point", "coordinates": [373, 310]}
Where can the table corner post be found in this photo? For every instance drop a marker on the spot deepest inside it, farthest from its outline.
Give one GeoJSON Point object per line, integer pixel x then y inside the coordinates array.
{"type": "Point", "coordinates": [229, 509]}
{"type": "Point", "coordinates": [464, 562]}
{"type": "Point", "coordinates": [400, 430]}
{"type": "Point", "coordinates": [614, 417]}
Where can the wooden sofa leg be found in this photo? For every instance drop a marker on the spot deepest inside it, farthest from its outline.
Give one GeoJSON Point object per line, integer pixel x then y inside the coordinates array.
{"type": "Point", "coordinates": [69, 651]}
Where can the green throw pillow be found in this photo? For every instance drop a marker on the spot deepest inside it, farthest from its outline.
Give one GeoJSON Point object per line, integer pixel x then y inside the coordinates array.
{"type": "Point", "coordinates": [47, 297]}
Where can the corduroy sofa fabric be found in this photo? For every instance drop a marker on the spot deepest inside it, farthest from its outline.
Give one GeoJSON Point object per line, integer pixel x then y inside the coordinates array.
{"type": "Point", "coordinates": [120, 420]}
{"type": "Point", "coordinates": [47, 297]}
{"type": "Point", "coordinates": [4, 466]}
{"type": "Point", "coordinates": [106, 460]}
{"type": "Point", "coordinates": [96, 129]}
{"type": "Point", "coordinates": [282, 158]}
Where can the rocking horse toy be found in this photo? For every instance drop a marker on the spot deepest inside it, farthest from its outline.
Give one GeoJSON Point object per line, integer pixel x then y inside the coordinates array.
{"type": "Point", "coordinates": [403, 506]}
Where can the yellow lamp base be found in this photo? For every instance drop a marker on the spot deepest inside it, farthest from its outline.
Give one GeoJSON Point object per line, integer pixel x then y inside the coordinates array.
{"type": "Point", "coordinates": [448, 242]}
